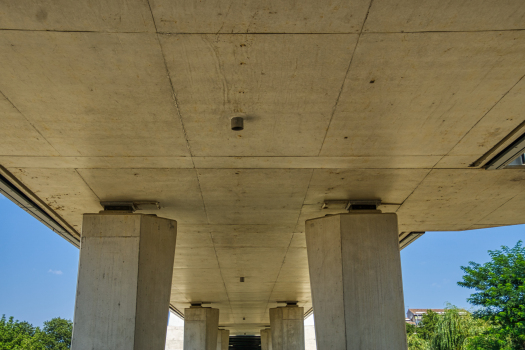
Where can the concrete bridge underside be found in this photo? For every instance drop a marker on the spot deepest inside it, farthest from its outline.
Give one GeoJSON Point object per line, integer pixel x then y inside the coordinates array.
{"type": "Point", "coordinates": [399, 101]}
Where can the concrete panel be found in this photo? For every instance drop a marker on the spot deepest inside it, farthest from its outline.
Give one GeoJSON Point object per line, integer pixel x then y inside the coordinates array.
{"type": "Point", "coordinates": [305, 16]}
{"type": "Point", "coordinates": [177, 190]}
{"type": "Point", "coordinates": [196, 258]}
{"type": "Point", "coordinates": [430, 89]}
{"type": "Point", "coordinates": [124, 282]}
{"type": "Point", "coordinates": [499, 122]}
{"type": "Point", "coordinates": [510, 213]}
{"type": "Point", "coordinates": [417, 16]}
{"type": "Point", "coordinates": [18, 137]}
{"type": "Point", "coordinates": [363, 184]}
{"type": "Point", "coordinates": [64, 15]}
{"type": "Point", "coordinates": [253, 196]}
{"type": "Point", "coordinates": [248, 258]}
{"type": "Point", "coordinates": [286, 85]}
{"type": "Point", "coordinates": [63, 190]}
{"type": "Point", "coordinates": [93, 162]}
{"type": "Point", "coordinates": [201, 328]}
{"type": "Point", "coordinates": [402, 162]}
{"type": "Point", "coordinates": [174, 338]}
{"type": "Point", "coordinates": [460, 198]}
{"type": "Point", "coordinates": [92, 94]}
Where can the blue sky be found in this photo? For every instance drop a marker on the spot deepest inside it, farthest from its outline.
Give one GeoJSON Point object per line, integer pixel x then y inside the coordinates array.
{"type": "Point", "coordinates": [39, 269]}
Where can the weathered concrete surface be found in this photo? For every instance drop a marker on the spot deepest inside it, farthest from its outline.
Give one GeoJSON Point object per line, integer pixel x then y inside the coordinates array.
{"type": "Point", "coordinates": [287, 328]}
{"type": "Point", "coordinates": [355, 272]}
{"type": "Point", "coordinates": [201, 328]}
{"type": "Point", "coordinates": [383, 99]}
{"type": "Point", "coordinates": [309, 338]}
{"type": "Point", "coordinates": [175, 338]}
{"type": "Point", "coordinates": [223, 339]}
{"type": "Point", "coordinates": [124, 281]}
{"type": "Point", "coordinates": [266, 339]}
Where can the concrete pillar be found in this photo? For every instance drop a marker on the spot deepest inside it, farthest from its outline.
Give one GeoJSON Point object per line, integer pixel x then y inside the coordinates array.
{"type": "Point", "coordinates": [287, 328]}
{"type": "Point", "coordinates": [223, 339]}
{"type": "Point", "coordinates": [124, 282]}
{"type": "Point", "coordinates": [201, 328]}
{"type": "Point", "coordinates": [266, 339]}
{"type": "Point", "coordinates": [355, 276]}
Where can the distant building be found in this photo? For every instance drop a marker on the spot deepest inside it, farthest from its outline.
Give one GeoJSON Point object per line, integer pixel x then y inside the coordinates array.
{"type": "Point", "coordinates": [414, 316]}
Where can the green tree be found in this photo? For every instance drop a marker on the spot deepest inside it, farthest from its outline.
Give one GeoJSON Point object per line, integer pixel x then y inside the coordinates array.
{"type": "Point", "coordinates": [500, 286]}
{"type": "Point", "coordinates": [427, 326]}
{"type": "Point", "coordinates": [16, 335]}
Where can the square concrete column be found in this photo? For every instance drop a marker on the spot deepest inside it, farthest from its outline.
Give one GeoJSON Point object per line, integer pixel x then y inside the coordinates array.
{"type": "Point", "coordinates": [223, 339]}
{"type": "Point", "coordinates": [355, 276]}
{"type": "Point", "coordinates": [201, 328]}
{"type": "Point", "coordinates": [266, 339]}
{"type": "Point", "coordinates": [287, 328]}
{"type": "Point", "coordinates": [124, 282]}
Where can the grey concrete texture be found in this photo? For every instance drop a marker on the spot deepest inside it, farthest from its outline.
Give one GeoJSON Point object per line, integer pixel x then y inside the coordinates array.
{"type": "Point", "coordinates": [223, 339]}
{"type": "Point", "coordinates": [266, 339]}
{"type": "Point", "coordinates": [287, 328]}
{"type": "Point", "coordinates": [355, 274]}
{"type": "Point", "coordinates": [124, 282]}
{"type": "Point", "coordinates": [201, 328]}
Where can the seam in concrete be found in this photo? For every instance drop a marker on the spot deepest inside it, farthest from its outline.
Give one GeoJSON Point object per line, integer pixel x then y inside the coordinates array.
{"type": "Point", "coordinates": [265, 33]}
{"type": "Point", "coordinates": [175, 100]}
{"type": "Point", "coordinates": [344, 79]}
{"type": "Point", "coordinates": [84, 180]}
{"type": "Point", "coordinates": [27, 120]}
{"type": "Point", "coordinates": [222, 277]}
{"type": "Point", "coordinates": [411, 193]}
{"type": "Point", "coordinates": [487, 154]}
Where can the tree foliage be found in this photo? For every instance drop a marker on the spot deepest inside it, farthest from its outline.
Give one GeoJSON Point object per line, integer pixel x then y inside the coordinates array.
{"type": "Point", "coordinates": [16, 335]}
{"type": "Point", "coordinates": [500, 291]}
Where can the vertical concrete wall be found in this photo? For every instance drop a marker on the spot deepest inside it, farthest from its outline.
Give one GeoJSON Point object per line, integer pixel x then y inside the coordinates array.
{"type": "Point", "coordinates": [309, 338]}
{"type": "Point", "coordinates": [175, 338]}
{"type": "Point", "coordinates": [124, 282]}
{"type": "Point", "coordinates": [201, 328]}
{"type": "Point", "coordinates": [223, 339]}
{"type": "Point", "coordinates": [266, 339]}
{"type": "Point", "coordinates": [287, 328]}
{"type": "Point", "coordinates": [355, 276]}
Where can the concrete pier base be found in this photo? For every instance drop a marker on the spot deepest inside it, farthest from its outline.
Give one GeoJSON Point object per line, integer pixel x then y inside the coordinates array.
{"type": "Point", "coordinates": [287, 328]}
{"type": "Point", "coordinates": [355, 276]}
{"type": "Point", "coordinates": [223, 339]}
{"type": "Point", "coordinates": [201, 328]}
{"type": "Point", "coordinates": [266, 339]}
{"type": "Point", "coordinates": [124, 282]}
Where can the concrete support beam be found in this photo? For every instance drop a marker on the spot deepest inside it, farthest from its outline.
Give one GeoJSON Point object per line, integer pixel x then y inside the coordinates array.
{"type": "Point", "coordinates": [287, 328]}
{"type": "Point", "coordinates": [355, 276]}
{"type": "Point", "coordinates": [201, 328]}
{"type": "Point", "coordinates": [223, 339]}
{"type": "Point", "coordinates": [266, 339]}
{"type": "Point", "coordinates": [124, 282]}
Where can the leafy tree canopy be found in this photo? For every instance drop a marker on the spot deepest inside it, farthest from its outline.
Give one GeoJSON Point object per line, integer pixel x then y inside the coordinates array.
{"type": "Point", "coordinates": [16, 335]}
{"type": "Point", "coordinates": [500, 291]}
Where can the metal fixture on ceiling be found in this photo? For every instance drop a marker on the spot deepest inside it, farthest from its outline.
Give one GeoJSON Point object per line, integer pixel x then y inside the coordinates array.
{"type": "Point", "coordinates": [237, 123]}
{"type": "Point", "coordinates": [129, 206]}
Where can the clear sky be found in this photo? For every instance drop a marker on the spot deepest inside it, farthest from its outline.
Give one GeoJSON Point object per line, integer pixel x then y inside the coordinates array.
{"type": "Point", "coordinates": [38, 269]}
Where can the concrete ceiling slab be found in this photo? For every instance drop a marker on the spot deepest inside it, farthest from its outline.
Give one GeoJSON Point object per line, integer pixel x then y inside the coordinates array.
{"type": "Point", "coordinates": [64, 15]}
{"type": "Point", "coordinates": [284, 85]}
{"type": "Point", "coordinates": [177, 190]}
{"type": "Point", "coordinates": [444, 16]}
{"type": "Point", "coordinates": [63, 190]}
{"type": "Point", "coordinates": [459, 197]}
{"type": "Point", "coordinates": [18, 137]}
{"type": "Point", "coordinates": [305, 16]}
{"type": "Point", "coordinates": [93, 94]}
{"type": "Point", "coordinates": [419, 94]}
{"type": "Point", "coordinates": [253, 196]}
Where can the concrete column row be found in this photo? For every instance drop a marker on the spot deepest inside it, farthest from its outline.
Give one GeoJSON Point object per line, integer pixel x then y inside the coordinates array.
{"type": "Point", "coordinates": [125, 272]}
